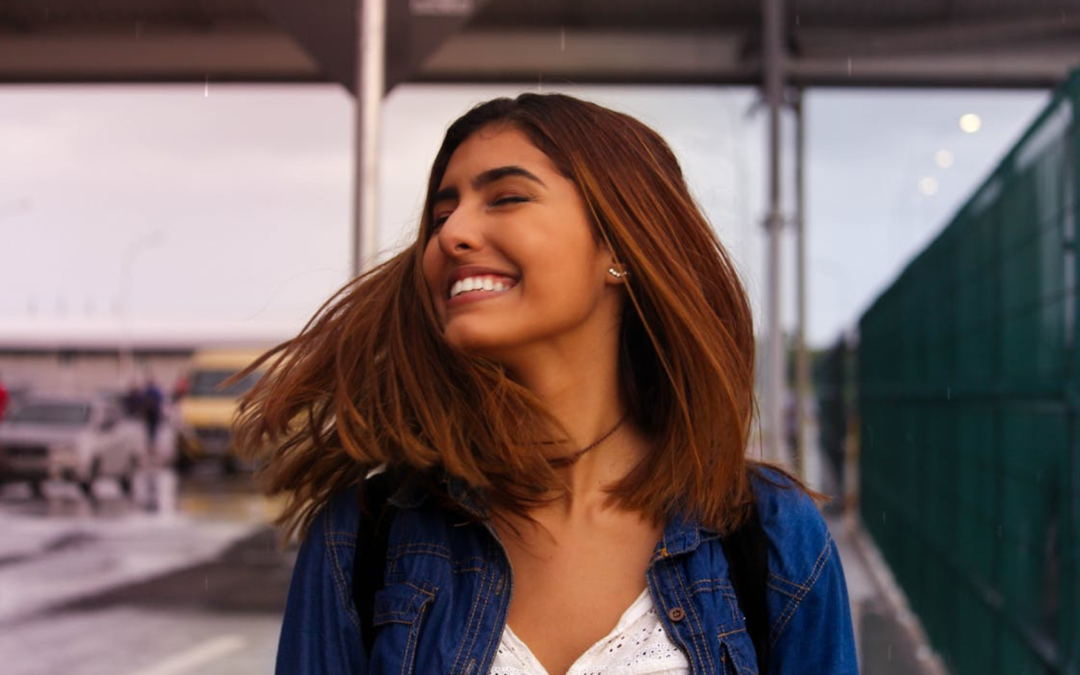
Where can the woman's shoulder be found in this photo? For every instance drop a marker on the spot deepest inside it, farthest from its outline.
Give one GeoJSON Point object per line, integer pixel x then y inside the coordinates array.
{"type": "Point", "coordinates": [807, 594]}
{"type": "Point", "coordinates": [337, 518]}
{"type": "Point", "coordinates": [799, 538]}
{"type": "Point", "coordinates": [781, 499]}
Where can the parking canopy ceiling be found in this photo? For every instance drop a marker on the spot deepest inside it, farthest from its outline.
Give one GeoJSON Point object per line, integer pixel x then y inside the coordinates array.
{"type": "Point", "coordinates": [992, 43]}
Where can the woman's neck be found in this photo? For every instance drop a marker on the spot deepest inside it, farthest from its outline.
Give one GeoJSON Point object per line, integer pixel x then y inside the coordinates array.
{"type": "Point", "coordinates": [585, 399]}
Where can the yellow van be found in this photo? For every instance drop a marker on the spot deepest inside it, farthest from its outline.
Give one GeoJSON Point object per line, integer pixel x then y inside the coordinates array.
{"type": "Point", "coordinates": [207, 408]}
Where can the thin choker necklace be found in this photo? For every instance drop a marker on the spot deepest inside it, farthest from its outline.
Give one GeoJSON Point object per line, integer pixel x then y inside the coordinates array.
{"type": "Point", "coordinates": [572, 459]}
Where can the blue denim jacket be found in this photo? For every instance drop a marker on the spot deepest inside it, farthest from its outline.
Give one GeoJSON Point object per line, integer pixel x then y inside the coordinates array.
{"type": "Point", "coordinates": [448, 586]}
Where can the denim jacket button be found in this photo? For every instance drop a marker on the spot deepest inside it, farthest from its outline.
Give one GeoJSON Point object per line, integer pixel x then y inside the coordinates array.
{"type": "Point", "coordinates": [676, 614]}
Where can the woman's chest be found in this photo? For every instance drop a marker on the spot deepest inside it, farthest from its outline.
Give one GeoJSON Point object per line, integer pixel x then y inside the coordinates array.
{"type": "Point", "coordinates": [445, 606]}
{"type": "Point", "coordinates": [570, 591]}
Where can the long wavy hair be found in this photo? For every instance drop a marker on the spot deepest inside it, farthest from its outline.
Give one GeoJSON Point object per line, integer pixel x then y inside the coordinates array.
{"type": "Point", "coordinates": [370, 381]}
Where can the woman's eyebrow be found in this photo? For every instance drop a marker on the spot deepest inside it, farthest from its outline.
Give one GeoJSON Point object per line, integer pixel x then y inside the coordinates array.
{"type": "Point", "coordinates": [498, 173]}
{"type": "Point", "coordinates": [444, 195]}
{"type": "Point", "coordinates": [487, 178]}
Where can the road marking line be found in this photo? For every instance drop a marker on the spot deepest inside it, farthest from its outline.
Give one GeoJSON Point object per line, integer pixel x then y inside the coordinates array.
{"type": "Point", "coordinates": [195, 657]}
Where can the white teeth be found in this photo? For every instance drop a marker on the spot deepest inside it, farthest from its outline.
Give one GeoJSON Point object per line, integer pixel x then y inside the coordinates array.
{"type": "Point", "coordinates": [478, 284]}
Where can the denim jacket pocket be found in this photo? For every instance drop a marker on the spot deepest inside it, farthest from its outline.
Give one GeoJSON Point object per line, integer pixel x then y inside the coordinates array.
{"type": "Point", "coordinates": [737, 653]}
{"type": "Point", "coordinates": [398, 615]}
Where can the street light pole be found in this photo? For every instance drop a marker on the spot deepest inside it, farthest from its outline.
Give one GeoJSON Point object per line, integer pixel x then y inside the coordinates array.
{"type": "Point", "coordinates": [145, 242]}
{"type": "Point", "coordinates": [370, 74]}
{"type": "Point", "coordinates": [773, 18]}
{"type": "Point", "coordinates": [802, 359]}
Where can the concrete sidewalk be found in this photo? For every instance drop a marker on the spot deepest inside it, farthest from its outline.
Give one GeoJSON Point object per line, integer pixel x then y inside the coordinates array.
{"type": "Point", "coordinates": [889, 638]}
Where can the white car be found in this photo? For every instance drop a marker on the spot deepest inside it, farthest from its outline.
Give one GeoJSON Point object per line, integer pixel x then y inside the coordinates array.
{"type": "Point", "coordinates": [70, 438]}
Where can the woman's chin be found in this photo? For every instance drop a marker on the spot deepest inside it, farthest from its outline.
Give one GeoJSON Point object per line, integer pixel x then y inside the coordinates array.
{"type": "Point", "coordinates": [482, 345]}
{"type": "Point", "coordinates": [473, 341]}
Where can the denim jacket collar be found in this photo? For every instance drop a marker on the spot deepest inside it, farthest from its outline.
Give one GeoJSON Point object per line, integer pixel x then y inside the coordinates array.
{"type": "Point", "coordinates": [415, 491]}
{"type": "Point", "coordinates": [681, 535]}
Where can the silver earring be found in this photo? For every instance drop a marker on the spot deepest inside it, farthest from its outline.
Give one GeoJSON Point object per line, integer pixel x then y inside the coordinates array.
{"type": "Point", "coordinates": [614, 272]}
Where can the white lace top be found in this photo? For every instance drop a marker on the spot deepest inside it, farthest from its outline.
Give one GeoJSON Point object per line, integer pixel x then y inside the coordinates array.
{"type": "Point", "coordinates": [638, 645]}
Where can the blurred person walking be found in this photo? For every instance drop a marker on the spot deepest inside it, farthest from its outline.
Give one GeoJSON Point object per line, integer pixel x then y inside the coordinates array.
{"type": "Point", "coordinates": [151, 404]}
{"type": "Point", "coordinates": [4, 399]}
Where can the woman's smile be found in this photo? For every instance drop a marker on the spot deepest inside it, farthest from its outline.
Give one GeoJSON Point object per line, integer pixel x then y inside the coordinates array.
{"type": "Point", "coordinates": [472, 283]}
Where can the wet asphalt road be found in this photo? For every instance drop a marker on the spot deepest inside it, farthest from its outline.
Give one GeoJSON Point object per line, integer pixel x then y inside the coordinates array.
{"type": "Point", "coordinates": [110, 587]}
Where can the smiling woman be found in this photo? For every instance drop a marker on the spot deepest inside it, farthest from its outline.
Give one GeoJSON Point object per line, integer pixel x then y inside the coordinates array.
{"type": "Point", "coordinates": [556, 383]}
{"type": "Point", "coordinates": [505, 215]}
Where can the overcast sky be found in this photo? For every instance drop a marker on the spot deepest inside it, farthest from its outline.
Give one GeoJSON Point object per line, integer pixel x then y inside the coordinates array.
{"type": "Point", "coordinates": [216, 212]}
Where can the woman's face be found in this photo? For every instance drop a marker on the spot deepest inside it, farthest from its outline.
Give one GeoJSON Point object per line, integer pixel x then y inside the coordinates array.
{"type": "Point", "coordinates": [511, 262]}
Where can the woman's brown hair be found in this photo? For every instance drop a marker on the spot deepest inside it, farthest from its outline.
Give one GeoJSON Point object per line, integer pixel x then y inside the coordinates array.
{"type": "Point", "coordinates": [370, 381]}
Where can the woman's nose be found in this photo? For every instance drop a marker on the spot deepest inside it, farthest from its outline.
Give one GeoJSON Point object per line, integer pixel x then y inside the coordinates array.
{"type": "Point", "coordinates": [460, 234]}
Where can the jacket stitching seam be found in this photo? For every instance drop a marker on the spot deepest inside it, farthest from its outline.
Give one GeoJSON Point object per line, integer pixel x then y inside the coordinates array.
{"type": "Point", "coordinates": [429, 592]}
{"type": "Point", "coordinates": [489, 586]}
{"type": "Point", "coordinates": [788, 581]}
{"type": "Point", "coordinates": [780, 590]}
{"type": "Point", "coordinates": [789, 612]}
{"type": "Point", "coordinates": [703, 585]}
{"type": "Point", "coordinates": [347, 535]}
{"type": "Point", "coordinates": [339, 581]}
{"type": "Point", "coordinates": [414, 634]}
{"type": "Point", "coordinates": [463, 570]}
{"type": "Point", "coordinates": [491, 633]}
{"type": "Point", "coordinates": [697, 620]}
{"type": "Point", "coordinates": [455, 668]}
{"type": "Point", "coordinates": [667, 573]}
{"type": "Point", "coordinates": [414, 548]}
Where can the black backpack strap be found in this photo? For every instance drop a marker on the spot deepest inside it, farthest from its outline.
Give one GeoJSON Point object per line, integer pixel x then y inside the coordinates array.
{"type": "Point", "coordinates": [369, 559]}
{"type": "Point", "coordinates": [747, 552]}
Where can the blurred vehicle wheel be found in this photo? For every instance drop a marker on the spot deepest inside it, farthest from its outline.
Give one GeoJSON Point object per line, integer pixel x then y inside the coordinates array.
{"type": "Point", "coordinates": [86, 484]}
{"type": "Point", "coordinates": [127, 479]}
{"type": "Point", "coordinates": [183, 462]}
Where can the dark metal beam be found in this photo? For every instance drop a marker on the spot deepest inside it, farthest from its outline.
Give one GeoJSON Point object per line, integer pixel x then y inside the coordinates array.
{"type": "Point", "coordinates": [934, 39]}
{"type": "Point", "coordinates": [326, 30]}
{"type": "Point", "coordinates": [240, 53]}
{"type": "Point", "coordinates": [439, 41]}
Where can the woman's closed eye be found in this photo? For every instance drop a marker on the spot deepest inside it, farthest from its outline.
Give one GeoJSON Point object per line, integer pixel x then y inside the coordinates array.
{"type": "Point", "coordinates": [508, 200]}
{"type": "Point", "coordinates": [438, 220]}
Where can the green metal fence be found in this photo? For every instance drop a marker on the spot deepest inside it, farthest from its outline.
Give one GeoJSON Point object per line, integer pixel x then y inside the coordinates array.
{"type": "Point", "coordinates": [969, 389]}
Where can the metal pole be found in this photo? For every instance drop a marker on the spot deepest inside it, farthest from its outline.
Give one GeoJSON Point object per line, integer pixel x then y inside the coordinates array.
{"type": "Point", "coordinates": [774, 91]}
{"type": "Point", "coordinates": [370, 74]}
{"type": "Point", "coordinates": [802, 360]}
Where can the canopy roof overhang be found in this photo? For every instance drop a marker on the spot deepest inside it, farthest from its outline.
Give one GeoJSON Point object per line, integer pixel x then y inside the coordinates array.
{"type": "Point", "coordinates": [806, 43]}
{"type": "Point", "coordinates": [985, 43]}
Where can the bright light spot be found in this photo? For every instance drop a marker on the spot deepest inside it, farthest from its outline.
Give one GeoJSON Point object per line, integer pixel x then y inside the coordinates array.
{"type": "Point", "coordinates": [970, 123]}
{"type": "Point", "coordinates": [943, 158]}
{"type": "Point", "coordinates": [928, 186]}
